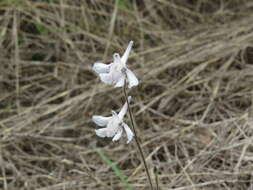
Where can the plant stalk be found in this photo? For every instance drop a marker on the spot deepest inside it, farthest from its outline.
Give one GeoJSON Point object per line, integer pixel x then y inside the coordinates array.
{"type": "Point", "coordinates": [136, 138]}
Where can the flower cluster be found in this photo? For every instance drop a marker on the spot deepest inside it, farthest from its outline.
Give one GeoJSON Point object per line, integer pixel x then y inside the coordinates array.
{"type": "Point", "coordinates": [115, 74]}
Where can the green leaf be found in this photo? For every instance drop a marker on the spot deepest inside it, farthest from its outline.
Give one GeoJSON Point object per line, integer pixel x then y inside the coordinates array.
{"type": "Point", "coordinates": [115, 169]}
{"type": "Point", "coordinates": [42, 29]}
{"type": "Point", "coordinates": [122, 4]}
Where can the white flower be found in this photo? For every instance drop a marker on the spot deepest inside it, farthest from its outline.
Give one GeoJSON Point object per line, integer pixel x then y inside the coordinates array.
{"type": "Point", "coordinates": [116, 72]}
{"type": "Point", "coordinates": [114, 125]}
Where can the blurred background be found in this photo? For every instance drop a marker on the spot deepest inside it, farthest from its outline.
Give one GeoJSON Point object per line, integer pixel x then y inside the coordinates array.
{"type": "Point", "coordinates": [193, 107]}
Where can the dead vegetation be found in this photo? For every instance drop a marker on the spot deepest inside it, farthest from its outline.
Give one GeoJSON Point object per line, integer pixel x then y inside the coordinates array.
{"type": "Point", "coordinates": [193, 107]}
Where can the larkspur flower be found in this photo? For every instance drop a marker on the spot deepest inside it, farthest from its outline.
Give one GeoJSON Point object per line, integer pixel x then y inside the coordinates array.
{"type": "Point", "coordinates": [114, 125]}
{"type": "Point", "coordinates": [116, 72]}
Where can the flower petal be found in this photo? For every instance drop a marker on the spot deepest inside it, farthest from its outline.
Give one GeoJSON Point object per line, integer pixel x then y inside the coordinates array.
{"type": "Point", "coordinates": [126, 53]}
{"type": "Point", "coordinates": [118, 135]}
{"type": "Point", "coordinates": [129, 132]}
{"type": "Point", "coordinates": [116, 58]}
{"type": "Point", "coordinates": [120, 82]}
{"type": "Point", "coordinates": [101, 132]}
{"type": "Point", "coordinates": [132, 79]}
{"type": "Point", "coordinates": [106, 78]}
{"type": "Point", "coordinates": [99, 67]}
{"type": "Point", "coordinates": [115, 116]}
{"type": "Point", "coordinates": [100, 120]}
{"type": "Point", "coordinates": [123, 110]}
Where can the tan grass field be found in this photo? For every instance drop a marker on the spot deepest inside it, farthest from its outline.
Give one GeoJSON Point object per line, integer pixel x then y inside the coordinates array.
{"type": "Point", "coordinates": [193, 108]}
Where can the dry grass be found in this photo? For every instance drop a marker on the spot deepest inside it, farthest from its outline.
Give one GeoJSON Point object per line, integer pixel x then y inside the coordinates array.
{"type": "Point", "coordinates": [193, 107]}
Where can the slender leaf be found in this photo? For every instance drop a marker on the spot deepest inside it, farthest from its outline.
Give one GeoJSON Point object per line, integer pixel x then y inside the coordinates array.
{"type": "Point", "coordinates": [115, 169]}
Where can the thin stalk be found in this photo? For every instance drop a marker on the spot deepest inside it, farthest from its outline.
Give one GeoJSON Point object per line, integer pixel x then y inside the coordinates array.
{"type": "Point", "coordinates": [136, 139]}
{"type": "Point", "coordinates": [156, 179]}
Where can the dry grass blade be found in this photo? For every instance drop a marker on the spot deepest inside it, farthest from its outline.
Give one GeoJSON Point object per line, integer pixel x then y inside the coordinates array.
{"type": "Point", "coordinates": [193, 105]}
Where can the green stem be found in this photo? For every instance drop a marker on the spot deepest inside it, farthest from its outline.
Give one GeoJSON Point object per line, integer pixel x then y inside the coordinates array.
{"type": "Point", "coordinates": [136, 138]}
{"type": "Point", "coordinates": [156, 179]}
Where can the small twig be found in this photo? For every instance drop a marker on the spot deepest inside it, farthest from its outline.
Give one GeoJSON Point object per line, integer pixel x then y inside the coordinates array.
{"type": "Point", "coordinates": [136, 138]}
